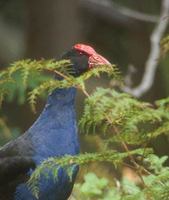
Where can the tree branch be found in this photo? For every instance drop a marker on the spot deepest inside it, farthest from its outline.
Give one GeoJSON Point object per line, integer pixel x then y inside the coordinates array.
{"type": "Point", "coordinates": [154, 55]}
{"type": "Point", "coordinates": [113, 12]}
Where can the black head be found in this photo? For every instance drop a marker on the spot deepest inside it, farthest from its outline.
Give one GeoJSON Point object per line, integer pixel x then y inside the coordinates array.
{"type": "Point", "coordinates": [84, 57]}
{"type": "Point", "coordinates": [79, 61]}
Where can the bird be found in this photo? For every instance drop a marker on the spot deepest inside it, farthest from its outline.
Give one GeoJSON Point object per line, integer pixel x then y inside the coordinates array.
{"type": "Point", "coordinates": [53, 134]}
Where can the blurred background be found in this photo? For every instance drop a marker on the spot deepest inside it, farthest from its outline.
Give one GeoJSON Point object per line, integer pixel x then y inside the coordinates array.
{"type": "Point", "coordinates": [120, 30]}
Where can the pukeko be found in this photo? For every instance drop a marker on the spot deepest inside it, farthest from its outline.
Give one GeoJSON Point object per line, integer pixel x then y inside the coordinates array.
{"type": "Point", "coordinates": [53, 134]}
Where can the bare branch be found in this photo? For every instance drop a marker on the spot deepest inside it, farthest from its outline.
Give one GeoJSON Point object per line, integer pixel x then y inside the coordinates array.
{"type": "Point", "coordinates": [114, 12]}
{"type": "Point", "coordinates": [153, 58]}
{"type": "Point", "coordinates": [137, 15]}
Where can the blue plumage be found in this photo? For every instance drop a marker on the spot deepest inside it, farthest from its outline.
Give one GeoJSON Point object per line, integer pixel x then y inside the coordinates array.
{"type": "Point", "coordinates": [53, 134]}
{"type": "Point", "coordinates": [56, 124]}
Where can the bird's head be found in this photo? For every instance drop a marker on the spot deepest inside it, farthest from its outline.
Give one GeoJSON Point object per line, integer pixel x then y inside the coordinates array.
{"type": "Point", "coordinates": [83, 58]}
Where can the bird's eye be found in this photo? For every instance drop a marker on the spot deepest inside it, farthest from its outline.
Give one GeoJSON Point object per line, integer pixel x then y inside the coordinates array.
{"type": "Point", "coordinates": [80, 53]}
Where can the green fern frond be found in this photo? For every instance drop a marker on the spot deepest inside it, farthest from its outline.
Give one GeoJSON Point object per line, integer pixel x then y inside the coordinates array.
{"type": "Point", "coordinates": [54, 164]}
{"type": "Point", "coordinates": [25, 75]}
{"type": "Point", "coordinates": [69, 81]}
{"type": "Point", "coordinates": [28, 71]}
{"type": "Point", "coordinates": [35, 93]}
{"type": "Point", "coordinates": [163, 103]}
{"type": "Point", "coordinates": [124, 118]}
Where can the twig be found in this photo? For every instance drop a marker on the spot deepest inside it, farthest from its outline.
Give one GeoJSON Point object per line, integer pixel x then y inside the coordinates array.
{"type": "Point", "coordinates": [154, 55]}
{"type": "Point", "coordinates": [85, 92]}
{"type": "Point", "coordinates": [124, 145]}
{"type": "Point", "coordinates": [61, 74]}
{"type": "Point", "coordinates": [137, 167]}
{"type": "Point", "coordinates": [67, 78]}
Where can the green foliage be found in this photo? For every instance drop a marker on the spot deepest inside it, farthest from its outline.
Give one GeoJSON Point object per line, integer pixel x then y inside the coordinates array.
{"type": "Point", "coordinates": [126, 118]}
{"type": "Point", "coordinates": [90, 191]}
{"type": "Point", "coordinates": [123, 120]}
{"type": "Point", "coordinates": [53, 164]}
{"type": "Point", "coordinates": [118, 118]}
{"type": "Point", "coordinates": [157, 185]}
{"type": "Point", "coordinates": [165, 45]}
{"type": "Point", "coordinates": [34, 76]}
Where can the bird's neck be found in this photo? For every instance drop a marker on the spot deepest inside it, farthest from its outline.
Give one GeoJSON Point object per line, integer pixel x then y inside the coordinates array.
{"type": "Point", "coordinates": [61, 97]}
{"type": "Point", "coordinates": [55, 129]}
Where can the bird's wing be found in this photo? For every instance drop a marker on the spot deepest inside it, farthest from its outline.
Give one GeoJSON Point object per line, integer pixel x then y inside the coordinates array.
{"type": "Point", "coordinates": [15, 161]}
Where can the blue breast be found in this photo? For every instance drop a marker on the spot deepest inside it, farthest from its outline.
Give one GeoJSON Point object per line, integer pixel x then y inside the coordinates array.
{"type": "Point", "coordinates": [54, 134]}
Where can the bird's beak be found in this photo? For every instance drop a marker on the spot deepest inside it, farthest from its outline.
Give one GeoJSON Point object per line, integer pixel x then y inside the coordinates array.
{"type": "Point", "coordinates": [96, 60]}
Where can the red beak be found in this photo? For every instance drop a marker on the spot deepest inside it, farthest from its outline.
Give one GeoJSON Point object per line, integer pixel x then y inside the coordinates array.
{"type": "Point", "coordinates": [97, 59]}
